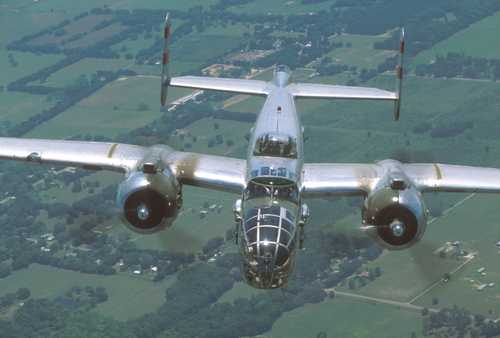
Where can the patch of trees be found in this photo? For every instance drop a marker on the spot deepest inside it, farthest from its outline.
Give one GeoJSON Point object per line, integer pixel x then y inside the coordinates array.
{"type": "Point", "coordinates": [60, 318]}
{"type": "Point", "coordinates": [458, 322]}
{"type": "Point", "coordinates": [460, 65]}
{"type": "Point", "coordinates": [84, 296]}
{"type": "Point", "coordinates": [10, 299]}
{"type": "Point", "coordinates": [328, 68]}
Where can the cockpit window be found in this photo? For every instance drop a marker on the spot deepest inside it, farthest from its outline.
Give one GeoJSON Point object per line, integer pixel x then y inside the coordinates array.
{"type": "Point", "coordinates": [276, 145]}
{"type": "Point", "coordinates": [282, 68]}
{"type": "Point", "coordinates": [285, 193]}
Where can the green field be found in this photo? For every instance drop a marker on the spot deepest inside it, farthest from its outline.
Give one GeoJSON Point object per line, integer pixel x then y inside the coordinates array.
{"type": "Point", "coordinates": [233, 30]}
{"type": "Point", "coordinates": [87, 67]}
{"type": "Point", "coordinates": [407, 273]}
{"type": "Point", "coordinates": [347, 319]}
{"type": "Point", "coordinates": [85, 24]}
{"type": "Point", "coordinates": [65, 195]}
{"type": "Point", "coordinates": [111, 111]}
{"type": "Point", "coordinates": [478, 40]}
{"type": "Point", "coordinates": [279, 7]}
{"type": "Point", "coordinates": [202, 48]}
{"type": "Point", "coordinates": [204, 131]}
{"type": "Point", "coordinates": [18, 107]}
{"type": "Point", "coordinates": [476, 225]}
{"type": "Point", "coordinates": [70, 9]}
{"type": "Point", "coordinates": [28, 63]}
{"type": "Point", "coordinates": [360, 52]}
{"type": "Point", "coordinates": [16, 24]}
{"type": "Point", "coordinates": [129, 296]}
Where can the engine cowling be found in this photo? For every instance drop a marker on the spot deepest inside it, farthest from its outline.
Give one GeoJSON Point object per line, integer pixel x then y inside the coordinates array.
{"type": "Point", "coordinates": [149, 202]}
{"type": "Point", "coordinates": [396, 218]}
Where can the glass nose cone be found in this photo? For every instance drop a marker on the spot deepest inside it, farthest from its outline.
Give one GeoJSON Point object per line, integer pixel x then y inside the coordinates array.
{"type": "Point", "coordinates": [267, 246]}
{"type": "Point", "coordinates": [143, 212]}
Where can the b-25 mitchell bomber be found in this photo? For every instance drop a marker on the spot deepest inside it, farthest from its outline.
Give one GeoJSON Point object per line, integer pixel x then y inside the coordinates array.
{"type": "Point", "coordinates": [272, 182]}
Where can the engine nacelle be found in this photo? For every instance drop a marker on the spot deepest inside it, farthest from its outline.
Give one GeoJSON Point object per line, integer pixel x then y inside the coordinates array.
{"type": "Point", "coordinates": [395, 217]}
{"type": "Point", "coordinates": [149, 202]}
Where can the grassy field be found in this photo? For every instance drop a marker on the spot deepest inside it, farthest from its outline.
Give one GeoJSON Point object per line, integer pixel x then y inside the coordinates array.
{"type": "Point", "coordinates": [111, 111]}
{"type": "Point", "coordinates": [129, 297]}
{"type": "Point", "coordinates": [204, 131]}
{"type": "Point", "coordinates": [65, 195]}
{"type": "Point", "coordinates": [87, 67]}
{"type": "Point", "coordinates": [16, 23]}
{"type": "Point", "coordinates": [476, 225]}
{"type": "Point", "coordinates": [18, 107]}
{"type": "Point", "coordinates": [347, 319]}
{"type": "Point", "coordinates": [280, 7]}
{"type": "Point", "coordinates": [478, 40]}
{"type": "Point", "coordinates": [407, 273]}
{"type": "Point", "coordinates": [27, 64]}
{"type": "Point", "coordinates": [198, 48]}
{"type": "Point", "coordinates": [358, 51]}
{"type": "Point", "coordinates": [68, 9]}
{"type": "Point", "coordinates": [85, 24]}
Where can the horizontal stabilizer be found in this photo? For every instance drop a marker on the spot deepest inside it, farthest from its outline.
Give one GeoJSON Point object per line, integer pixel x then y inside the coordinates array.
{"type": "Point", "coordinates": [321, 91]}
{"type": "Point", "coordinates": [253, 87]}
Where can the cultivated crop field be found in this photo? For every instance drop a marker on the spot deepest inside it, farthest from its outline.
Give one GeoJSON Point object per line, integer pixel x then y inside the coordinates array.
{"type": "Point", "coordinates": [478, 40]}
{"type": "Point", "coordinates": [18, 107]}
{"type": "Point", "coordinates": [113, 110]}
{"type": "Point", "coordinates": [358, 51]}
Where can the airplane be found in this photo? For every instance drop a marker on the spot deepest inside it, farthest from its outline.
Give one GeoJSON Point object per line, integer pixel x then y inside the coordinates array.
{"type": "Point", "coordinates": [273, 182]}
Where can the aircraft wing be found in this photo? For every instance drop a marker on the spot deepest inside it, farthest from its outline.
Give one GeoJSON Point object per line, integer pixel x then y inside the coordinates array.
{"type": "Point", "coordinates": [88, 155]}
{"type": "Point", "coordinates": [213, 172]}
{"type": "Point", "coordinates": [328, 179]}
{"type": "Point", "coordinates": [453, 178]}
{"type": "Point", "coordinates": [243, 86]}
{"type": "Point", "coordinates": [208, 171]}
{"type": "Point", "coordinates": [311, 90]}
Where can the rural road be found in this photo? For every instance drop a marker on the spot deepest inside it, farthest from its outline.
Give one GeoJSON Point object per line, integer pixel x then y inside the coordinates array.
{"type": "Point", "coordinates": [368, 299]}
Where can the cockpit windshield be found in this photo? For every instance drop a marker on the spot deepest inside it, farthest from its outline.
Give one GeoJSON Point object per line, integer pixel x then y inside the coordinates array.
{"type": "Point", "coordinates": [276, 145]}
{"type": "Point", "coordinates": [282, 68]}
{"type": "Point", "coordinates": [287, 193]}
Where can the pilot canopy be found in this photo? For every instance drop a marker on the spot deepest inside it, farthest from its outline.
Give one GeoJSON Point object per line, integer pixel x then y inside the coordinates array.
{"type": "Point", "coordinates": [276, 145]}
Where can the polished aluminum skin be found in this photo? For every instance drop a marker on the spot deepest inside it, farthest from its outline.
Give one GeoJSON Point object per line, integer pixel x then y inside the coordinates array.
{"type": "Point", "coordinates": [149, 202]}
{"type": "Point", "coordinates": [273, 181]}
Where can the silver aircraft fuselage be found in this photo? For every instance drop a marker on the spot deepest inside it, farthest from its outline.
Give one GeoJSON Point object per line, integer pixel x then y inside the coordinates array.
{"type": "Point", "coordinates": [271, 205]}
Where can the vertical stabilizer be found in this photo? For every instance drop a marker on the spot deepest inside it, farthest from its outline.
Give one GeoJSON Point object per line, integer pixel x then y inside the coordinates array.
{"type": "Point", "coordinates": [165, 71]}
{"type": "Point", "coordinates": [400, 75]}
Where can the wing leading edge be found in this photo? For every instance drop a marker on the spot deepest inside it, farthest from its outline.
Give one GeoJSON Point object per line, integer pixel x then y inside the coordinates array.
{"type": "Point", "coordinates": [429, 177]}
{"type": "Point", "coordinates": [89, 155]}
{"type": "Point", "coordinates": [325, 179]}
{"type": "Point", "coordinates": [208, 171]}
